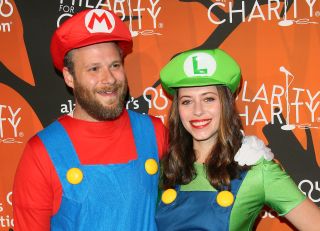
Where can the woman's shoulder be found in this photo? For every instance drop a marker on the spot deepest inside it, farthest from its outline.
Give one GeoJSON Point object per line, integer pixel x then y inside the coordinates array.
{"type": "Point", "coordinates": [267, 165]}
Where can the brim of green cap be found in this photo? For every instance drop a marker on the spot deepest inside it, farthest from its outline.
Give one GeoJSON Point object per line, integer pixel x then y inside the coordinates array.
{"type": "Point", "coordinates": [201, 82]}
{"type": "Point", "coordinates": [190, 83]}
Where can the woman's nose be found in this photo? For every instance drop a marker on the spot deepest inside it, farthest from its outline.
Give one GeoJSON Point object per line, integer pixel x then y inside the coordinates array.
{"type": "Point", "coordinates": [198, 109]}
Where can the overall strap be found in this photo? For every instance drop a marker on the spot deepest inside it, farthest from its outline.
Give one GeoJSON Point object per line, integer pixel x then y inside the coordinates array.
{"type": "Point", "coordinates": [236, 183]}
{"type": "Point", "coordinates": [61, 153]}
{"type": "Point", "coordinates": [144, 135]}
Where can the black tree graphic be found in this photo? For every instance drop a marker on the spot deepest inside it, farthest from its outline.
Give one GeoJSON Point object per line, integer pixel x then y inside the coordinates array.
{"type": "Point", "coordinates": [300, 163]}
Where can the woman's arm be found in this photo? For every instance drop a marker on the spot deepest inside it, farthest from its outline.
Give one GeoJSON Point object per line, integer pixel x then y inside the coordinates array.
{"type": "Point", "coordinates": [306, 216]}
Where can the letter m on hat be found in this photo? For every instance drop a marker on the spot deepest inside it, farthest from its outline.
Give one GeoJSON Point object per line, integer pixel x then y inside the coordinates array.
{"type": "Point", "coordinates": [98, 21]}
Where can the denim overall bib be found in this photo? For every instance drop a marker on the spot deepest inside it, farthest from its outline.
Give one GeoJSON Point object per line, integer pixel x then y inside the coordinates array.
{"type": "Point", "coordinates": [109, 197]}
{"type": "Point", "coordinates": [196, 211]}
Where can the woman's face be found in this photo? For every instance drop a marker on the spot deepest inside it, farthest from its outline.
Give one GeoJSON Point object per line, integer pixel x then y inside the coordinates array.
{"type": "Point", "coordinates": [200, 111]}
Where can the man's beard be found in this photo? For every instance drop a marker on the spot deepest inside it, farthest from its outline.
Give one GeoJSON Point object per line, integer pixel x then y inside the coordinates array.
{"type": "Point", "coordinates": [85, 98]}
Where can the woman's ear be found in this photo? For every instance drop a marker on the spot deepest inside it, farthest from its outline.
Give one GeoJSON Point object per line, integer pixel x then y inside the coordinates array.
{"type": "Point", "coordinates": [68, 77]}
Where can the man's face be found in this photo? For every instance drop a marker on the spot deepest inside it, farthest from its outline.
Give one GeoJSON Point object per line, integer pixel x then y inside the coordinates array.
{"type": "Point", "coordinates": [99, 82]}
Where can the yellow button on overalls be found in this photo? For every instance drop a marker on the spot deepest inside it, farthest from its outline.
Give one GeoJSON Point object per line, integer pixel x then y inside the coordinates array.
{"type": "Point", "coordinates": [169, 196]}
{"type": "Point", "coordinates": [225, 198]}
{"type": "Point", "coordinates": [74, 176]}
{"type": "Point", "coordinates": [151, 166]}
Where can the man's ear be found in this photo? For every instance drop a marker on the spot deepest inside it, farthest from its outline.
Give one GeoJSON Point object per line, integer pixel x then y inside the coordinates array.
{"type": "Point", "coordinates": [68, 77]}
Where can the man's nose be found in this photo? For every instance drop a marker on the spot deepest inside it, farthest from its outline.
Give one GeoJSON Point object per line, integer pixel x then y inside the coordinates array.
{"type": "Point", "coordinates": [108, 77]}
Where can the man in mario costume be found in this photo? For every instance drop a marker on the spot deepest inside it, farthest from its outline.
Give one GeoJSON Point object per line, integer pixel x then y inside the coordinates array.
{"type": "Point", "coordinates": [97, 168]}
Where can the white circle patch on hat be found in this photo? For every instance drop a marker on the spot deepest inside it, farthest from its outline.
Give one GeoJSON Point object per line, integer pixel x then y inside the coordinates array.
{"type": "Point", "coordinates": [199, 64]}
{"type": "Point", "coordinates": [98, 21]}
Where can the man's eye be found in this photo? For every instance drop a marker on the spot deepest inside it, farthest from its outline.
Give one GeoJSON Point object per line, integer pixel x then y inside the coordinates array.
{"type": "Point", "coordinates": [93, 69]}
{"type": "Point", "coordinates": [116, 65]}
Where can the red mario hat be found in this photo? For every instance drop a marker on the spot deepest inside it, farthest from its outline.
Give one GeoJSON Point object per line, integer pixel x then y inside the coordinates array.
{"type": "Point", "coordinates": [86, 28]}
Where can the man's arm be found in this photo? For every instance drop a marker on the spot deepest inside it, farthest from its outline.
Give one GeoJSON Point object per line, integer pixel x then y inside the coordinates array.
{"type": "Point", "coordinates": [33, 192]}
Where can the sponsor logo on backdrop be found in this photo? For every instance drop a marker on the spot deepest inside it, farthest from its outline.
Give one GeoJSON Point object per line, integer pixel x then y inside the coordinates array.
{"type": "Point", "coordinates": [251, 11]}
{"type": "Point", "coordinates": [156, 100]}
{"type": "Point", "coordinates": [310, 189]}
{"type": "Point", "coordinates": [136, 12]}
{"type": "Point", "coordinates": [290, 101]}
{"type": "Point", "coordinates": [6, 220]}
{"type": "Point", "coordinates": [67, 107]}
{"type": "Point", "coordinates": [6, 10]}
{"type": "Point", "coordinates": [9, 125]}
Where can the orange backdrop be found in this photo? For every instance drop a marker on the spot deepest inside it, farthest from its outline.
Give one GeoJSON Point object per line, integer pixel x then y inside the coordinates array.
{"type": "Point", "coordinates": [276, 42]}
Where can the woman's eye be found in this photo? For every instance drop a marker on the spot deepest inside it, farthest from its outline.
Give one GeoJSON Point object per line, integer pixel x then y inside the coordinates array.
{"type": "Point", "coordinates": [185, 102]}
{"type": "Point", "coordinates": [209, 99]}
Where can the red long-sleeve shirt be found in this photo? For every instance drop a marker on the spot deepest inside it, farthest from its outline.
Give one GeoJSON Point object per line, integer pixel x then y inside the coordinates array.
{"type": "Point", "coordinates": [37, 190]}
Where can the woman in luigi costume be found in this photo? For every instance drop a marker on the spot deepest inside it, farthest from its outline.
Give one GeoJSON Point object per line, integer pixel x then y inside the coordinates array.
{"type": "Point", "coordinates": [213, 176]}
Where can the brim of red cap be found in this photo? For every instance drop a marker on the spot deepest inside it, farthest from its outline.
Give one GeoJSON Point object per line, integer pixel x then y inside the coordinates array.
{"type": "Point", "coordinates": [125, 46]}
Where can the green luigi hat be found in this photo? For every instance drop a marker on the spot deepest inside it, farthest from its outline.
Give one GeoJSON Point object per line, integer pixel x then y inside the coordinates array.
{"type": "Point", "coordinates": [200, 68]}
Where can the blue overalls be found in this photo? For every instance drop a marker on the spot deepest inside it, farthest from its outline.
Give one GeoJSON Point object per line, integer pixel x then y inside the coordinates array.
{"type": "Point", "coordinates": [110, 197]}
{"type": "Point", "coordinates": [196, 211]}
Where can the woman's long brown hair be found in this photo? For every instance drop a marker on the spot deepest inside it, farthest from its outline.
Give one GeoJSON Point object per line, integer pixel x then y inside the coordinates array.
{"type": "Point", "coordinates": [177, 164]}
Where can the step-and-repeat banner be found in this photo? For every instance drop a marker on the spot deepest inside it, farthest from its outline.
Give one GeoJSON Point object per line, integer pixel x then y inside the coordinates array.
{"type": "Point", "coordinates": [276, 42]}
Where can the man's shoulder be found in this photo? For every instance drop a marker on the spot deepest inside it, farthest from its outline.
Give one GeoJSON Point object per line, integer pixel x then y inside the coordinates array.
{"type": "Point", "coordinates": [156, 122]}
{"type": "Point", "coordinates": [34, 140]}
{"type": "Point", "coordinates": [60, 119]}
{"type": "Point", "coordinates": [48, 131]}
{"type": "Point", "coordinates": [144, 115]}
